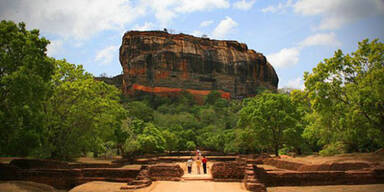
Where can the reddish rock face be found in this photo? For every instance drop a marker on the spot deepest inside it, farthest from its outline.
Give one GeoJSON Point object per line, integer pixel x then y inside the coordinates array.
{"type": "Point", "coordinates": [165, 64]}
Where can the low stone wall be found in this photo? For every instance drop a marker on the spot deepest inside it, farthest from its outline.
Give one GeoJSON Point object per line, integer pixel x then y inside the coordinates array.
{"type": "Point", "coordinates": [281, 178]}
{"type": "Point", "coordinates": [94, 165]}
{"type": "Point", "coordinates": [345, 166]}
{"type": "Point", "coordinates": [63, 178]}
{"type": "Point", "coordinates": [228, 170]}
{"type": "Point", "coordinates": [165, 172]}
{"type": "Point", "coordinates": [39, 163]}
{"type": "Point", "coordinates": [341, 166]}
{"type": "Point", "coordinates": [282, 164]}
{"type": "Point", "coordinates": [306, 178]}
{"type": "Point", "coordinates": [110, 172]}
{"type": "Point", "coordinates": [175, 159]}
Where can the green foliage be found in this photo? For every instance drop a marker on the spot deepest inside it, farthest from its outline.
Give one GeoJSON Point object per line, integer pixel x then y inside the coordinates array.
{"type": "Point", "coordinates": [212, 97]}
{"type": "Point", "coordinates": [25, 72]}
{"type": "Point", "coordinates": [272, 116]}
{"type": "Point", "coordinates": [347, 98]}
{"type": "Point", "coordinates": [140, 110]}
{"type": "Point", "coordinates": [285, 150]}
{"type": "Point", "coordinates": [81, 114]}
{"type": "Point", "coordinates": [332, 149]}
{"type": "Point", "coordinates": [190, 145]}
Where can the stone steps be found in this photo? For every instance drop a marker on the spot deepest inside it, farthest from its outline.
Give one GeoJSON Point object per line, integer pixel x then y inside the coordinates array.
{"type": "Point", "coordinates": [251, 182]}
{"type": "Point", "coordinates": [141, 181]}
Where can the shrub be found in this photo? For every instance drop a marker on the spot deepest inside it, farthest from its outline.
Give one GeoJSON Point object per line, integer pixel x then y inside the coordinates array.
{"type": "Point", "coordinates": [333, 149]}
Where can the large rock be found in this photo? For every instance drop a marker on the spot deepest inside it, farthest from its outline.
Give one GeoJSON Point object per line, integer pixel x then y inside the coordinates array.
{"type": "Point", "coordinates": [165, 64]}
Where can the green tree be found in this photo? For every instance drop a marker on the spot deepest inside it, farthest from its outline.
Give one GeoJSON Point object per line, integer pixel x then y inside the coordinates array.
{"type": "Point", "coordinates": [271, 116]}
{"type": "Point", "coordinates": [81, 114]}
{"type": "Point", "coordinates": [212, 97]}
{"type": "Point", "coordinates": [347, 97]}
{"type": "Point", "coordinates": [301, 145]}
{"type": "Point", "coordinates": [127, 135]}
{"type": "Point", "coordinates": [171, 140]}
{"type": "Point", "coordinates": [25, 72]}
{"type": "Point", "coordinates": [140, 110]}
{"type": "Point", "coordinates": [151, 140]}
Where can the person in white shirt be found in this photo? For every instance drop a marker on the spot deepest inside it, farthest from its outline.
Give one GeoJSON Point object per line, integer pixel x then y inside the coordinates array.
{"type": "Point", "coordinates": [189, 165]}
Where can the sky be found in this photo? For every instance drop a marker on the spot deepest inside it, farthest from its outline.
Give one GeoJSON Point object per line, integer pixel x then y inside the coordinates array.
{"type": "Point", "coordinates": [294, 35]}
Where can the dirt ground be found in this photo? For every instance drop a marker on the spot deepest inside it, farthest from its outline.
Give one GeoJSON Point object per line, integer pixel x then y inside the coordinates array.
{"type": "Point", "coordinates": [194, 186]}
{"type": "Point", "coordinates": [332, 188]}
{"type": "Point", "coordinates": [98, 186]}
{"type": "Point", "coordinates": [165, 186]}
{"type": "Point", "coordinates": [25, 186]}
{"type": "Point", "coordinates": [208, 186]}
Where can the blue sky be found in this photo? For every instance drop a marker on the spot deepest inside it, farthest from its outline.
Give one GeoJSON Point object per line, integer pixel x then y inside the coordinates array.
{"type": "Point", "coordinates": [295, 35]}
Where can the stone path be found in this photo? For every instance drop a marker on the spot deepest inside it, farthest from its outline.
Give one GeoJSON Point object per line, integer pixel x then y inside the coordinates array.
{"type": "Point", "coordinates": [194, 176]}
{"type": "Point", "coordinates": [194, 186]}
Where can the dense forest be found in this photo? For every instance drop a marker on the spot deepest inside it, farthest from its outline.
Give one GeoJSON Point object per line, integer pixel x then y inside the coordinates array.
{"type": "Point", "coordinates": [53, 109]}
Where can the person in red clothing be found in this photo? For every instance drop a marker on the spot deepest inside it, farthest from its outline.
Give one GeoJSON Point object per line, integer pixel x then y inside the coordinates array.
{"type": "Point", "coordinates": [204, 160]}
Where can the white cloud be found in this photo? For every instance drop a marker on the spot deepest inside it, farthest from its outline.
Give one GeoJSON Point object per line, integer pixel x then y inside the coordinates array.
{"type": "Point", "coordinates": [85, 18]}
{"type": "Point", "coordinates": [290, 56]}
{"type": "Point", "coordinates": [327, 39]}
{"type": "Point", "coordinates": [199, 5]}
{"type": "Point", "coordinates": [225, 27]}
{"type": "Point", "coordinates": [243, 4]}
{"type": "Point", "coordinates": [163, 10]}
{"type": "Point", "coordinates": [166, 10]}
{"type": "Point", "coordinates": [297, 83]}
{"type": "Point", "coordinates": [54, 47]}
{"type": "Point", "coordinates": [285, 57]}
{"type": "Point", "coordinates": [336, 13]}
{"type": "Point", "coordinates": [197, 33]}
{"type": "Point", "coordinates": [71, 18]}
{"type": "Point", "coordinates": [279, 8]}
{"type": "Point", "coordinates": [206, 23]}
{"type": "Point", "coordinates": [147, 26]}
{"type": "Point", "coordinates": [107, 54]}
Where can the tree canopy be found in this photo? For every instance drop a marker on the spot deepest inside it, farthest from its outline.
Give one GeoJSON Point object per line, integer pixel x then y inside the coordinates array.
{"type": "Point", "coordinates": [25, 75]}
{"type": "Point", "coordinates": [347, 97]}
{"type": "Point", "coordinates": [271, 116]}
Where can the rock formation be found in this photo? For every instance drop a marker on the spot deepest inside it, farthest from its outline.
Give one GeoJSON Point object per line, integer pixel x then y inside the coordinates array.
{"type": "Point", "coordinates": [165, 64]}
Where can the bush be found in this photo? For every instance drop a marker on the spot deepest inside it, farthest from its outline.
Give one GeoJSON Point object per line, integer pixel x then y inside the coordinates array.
{"type": "Point", "coordinates": [191, 145]}
{"type": "Point", "coordinates": [286, 150]}
{"type": "Point", "coordinates": [333, 149]}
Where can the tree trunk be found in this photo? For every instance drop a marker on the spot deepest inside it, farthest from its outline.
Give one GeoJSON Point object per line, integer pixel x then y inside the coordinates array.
{"type": "Point", "coordinates": [277, 150]}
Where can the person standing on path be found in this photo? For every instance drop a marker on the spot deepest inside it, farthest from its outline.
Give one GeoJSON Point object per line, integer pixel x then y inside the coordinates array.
{"type": "Point", "coordinates": [189, 165]}
{"type": "Point", "coordinates": [198, 165]}
{"type": "Point", "coordinates": [198, 153]}
{"type": "Point", "coordinates": [204, 160]}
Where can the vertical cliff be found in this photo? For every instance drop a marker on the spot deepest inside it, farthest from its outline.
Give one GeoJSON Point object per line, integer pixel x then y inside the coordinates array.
{"type": "Point", "coordinates": [163, 63]}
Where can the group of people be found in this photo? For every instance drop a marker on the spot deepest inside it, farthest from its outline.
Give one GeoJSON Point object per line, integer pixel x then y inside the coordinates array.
{"type": "Point", "coordinates": [199, 160]}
